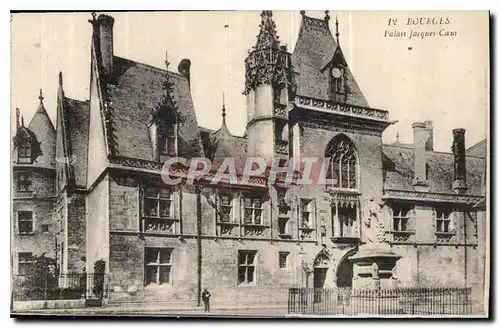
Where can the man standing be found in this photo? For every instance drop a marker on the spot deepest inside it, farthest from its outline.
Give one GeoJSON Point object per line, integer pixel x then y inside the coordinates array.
{"type": "Point", "coordinates": [205, 296]}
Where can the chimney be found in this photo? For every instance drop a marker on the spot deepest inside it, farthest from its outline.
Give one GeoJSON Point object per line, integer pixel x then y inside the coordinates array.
{"type": "Point", "coordinates": [429, 144]}
{"type": "Point", "coordinates": [460, 171]}
{"type": "Point", "coordinates": [184, 69]}
{"type": "Point", "coordinates": [105, 24]}
{"type": "Point", "coordinates": [419, 146]}
{"type": "Point", "coordinates": [18, 125]}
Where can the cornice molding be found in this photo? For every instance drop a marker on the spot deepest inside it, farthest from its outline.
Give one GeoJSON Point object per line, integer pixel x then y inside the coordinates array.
{"type": "Point", "coordinates": [343, 109]}
{"type": "Point", "coordinates": [429, 196]}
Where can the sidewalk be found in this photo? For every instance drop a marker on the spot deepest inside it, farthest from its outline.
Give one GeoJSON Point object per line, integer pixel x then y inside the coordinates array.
{"type": "Point", "coordinates": [168, 309]}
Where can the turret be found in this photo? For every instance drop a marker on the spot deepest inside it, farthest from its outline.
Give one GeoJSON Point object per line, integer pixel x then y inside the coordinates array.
{"type": "Point", "coordinates": [266, 87]}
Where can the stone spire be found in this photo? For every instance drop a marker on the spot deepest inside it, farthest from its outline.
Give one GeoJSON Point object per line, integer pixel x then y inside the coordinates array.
{"type": "Point", "coordinates": [268, 37]}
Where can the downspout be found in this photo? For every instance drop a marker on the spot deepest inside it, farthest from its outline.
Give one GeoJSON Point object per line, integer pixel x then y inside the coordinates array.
{"type": "Point", "coordinates": [198, 239]}
{"type": "Point", "coordinates": [465, 248]}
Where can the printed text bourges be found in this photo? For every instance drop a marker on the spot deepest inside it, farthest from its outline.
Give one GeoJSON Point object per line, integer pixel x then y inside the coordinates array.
{"type": "Point", "coordinates": [419, 27]}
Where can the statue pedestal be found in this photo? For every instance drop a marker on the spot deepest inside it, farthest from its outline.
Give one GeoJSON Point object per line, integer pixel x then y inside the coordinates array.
{"type": "Point", "coordinates": [373, 279]}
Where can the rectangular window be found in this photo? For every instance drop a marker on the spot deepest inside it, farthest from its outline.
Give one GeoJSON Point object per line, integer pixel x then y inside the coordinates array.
{"type": "Point", "coordinates": [25, 263]}
{"type": "Point", "coordinates": [283, 260]}
{"type": "Point", "coordinates": [444, 220]}
{"type": "Point", "coordinates": [25, 222]}
{"type": "Point", "coordinates": [253, 210]}
{"type": "Point", "coordinates": [169, 140]}
{"type": "Point", "coordinates": [400, 218]}
{"type": "Point", "coordinates": [225, 206]}
{"type": "Point", "coordinates": [24, 152]}
{"type": "Point", "coordinates": [23, 181]}
{"type": "Point", "coordinates": [158, 203]}
{"type": "Point", "coordinates": [306, 214]}
{"type": "Point", "coordinates": [158, 266]}
{"type": "Point", "coordinates": [246, 267]}
{"type": "Point", "coordinates": [45, 228]}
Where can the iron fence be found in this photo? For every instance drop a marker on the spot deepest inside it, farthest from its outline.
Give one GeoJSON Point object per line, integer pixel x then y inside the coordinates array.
{"type": "Point", "coordinates": [62, 287]}
{"type": "Point", "coordinates": [401, 301]}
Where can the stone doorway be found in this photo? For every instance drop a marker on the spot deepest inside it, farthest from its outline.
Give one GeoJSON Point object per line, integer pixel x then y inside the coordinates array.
{"type": "Point", "coordinates": [321, 265]}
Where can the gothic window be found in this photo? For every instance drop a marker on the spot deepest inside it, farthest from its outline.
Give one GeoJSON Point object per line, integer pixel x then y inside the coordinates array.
{"type": "Point", "coordinates": [25, 263]}
{"type": "Point", "coordinates": [246, 267]}
{"type": "Point", "coordinates": [347, 216]}
{"type": "Point", "coordinates": [23, 181]}
{"type": "Point", "coordinates": [253, 210]}
{"type": "Point", "coordinates": [342, 168]}
{"type": "Point", "coordinates": [24, 151]}
{"type": "Point", "coordinates": [25, 222]}
{"type": "Point", "coordinates": [158, 266]}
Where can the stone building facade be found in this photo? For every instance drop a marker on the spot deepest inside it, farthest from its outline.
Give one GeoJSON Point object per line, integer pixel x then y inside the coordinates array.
{"type": "Point", "coordinates": [252, 240]}
{"type": "Point", "coordinates": [33, 190]}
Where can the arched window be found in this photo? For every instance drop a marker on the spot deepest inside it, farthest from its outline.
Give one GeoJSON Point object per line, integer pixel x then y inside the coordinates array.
{"type": "Point", "coordinates": [342, 166]}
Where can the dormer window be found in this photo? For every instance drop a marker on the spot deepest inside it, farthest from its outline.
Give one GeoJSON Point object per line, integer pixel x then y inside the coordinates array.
{"type": "Point", "coordinates": [24, 151]}
{"type": "Point", "coordinates": [338, 79]}
{"type": "Point", "coordinates": [168, 140]}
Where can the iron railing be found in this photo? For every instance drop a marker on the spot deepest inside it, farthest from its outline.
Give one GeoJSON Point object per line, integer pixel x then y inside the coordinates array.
{"type": "Point", "coordinates": [402, 301]}
{"type": "Point", "coordinates": [62, 287]}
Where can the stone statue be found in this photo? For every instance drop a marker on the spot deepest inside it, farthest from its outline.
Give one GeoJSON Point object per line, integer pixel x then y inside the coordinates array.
{"type": "Point", "coordinates": [373, 229]}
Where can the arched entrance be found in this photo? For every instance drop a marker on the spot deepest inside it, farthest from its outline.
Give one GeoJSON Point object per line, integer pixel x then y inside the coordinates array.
{"type": "Point", "coordinates": [344, 271]}
{"type": "Point", "coordinates": [321, 265]}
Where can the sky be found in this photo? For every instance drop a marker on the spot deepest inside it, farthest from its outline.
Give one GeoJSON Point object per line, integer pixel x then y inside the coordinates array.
{"type": "Point", "coordinates": [442, 79]}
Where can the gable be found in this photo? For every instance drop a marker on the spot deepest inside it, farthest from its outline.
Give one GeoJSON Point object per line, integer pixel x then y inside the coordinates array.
{"type": "Point", "coordinates": [136, 89]}
{"type": "Point", "coordinates": [314, 50]}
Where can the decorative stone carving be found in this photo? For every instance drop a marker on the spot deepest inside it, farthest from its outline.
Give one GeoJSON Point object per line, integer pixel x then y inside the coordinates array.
{"type": "Point", "coordinates": [306, 233]}
{"type": "Point", "coordinates": [269, 62]}
{"type": "Point", "coordinates": [279, 110]}
{"type": "Point", "coordinates": [281, 147]}
{"type": "Point", "coordinates": [374, 230]}
{"type": "Point", "coordinates": [254, 230]}
{"type": "Point", "coordinates": [343, 108]}
{"type": "Point", "coordinates": [226, 229]}
{"type": "Point", "coordinates": [158, 225]}
{"type": "Point", "coordinates": [409, 195]}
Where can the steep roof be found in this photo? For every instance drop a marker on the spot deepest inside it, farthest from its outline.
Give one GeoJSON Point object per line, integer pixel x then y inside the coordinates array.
{"type": "Point", "coordinates": [42, 130]}
{"type": "Point", "coordinates": [478, 149]}
{"type": "Point", "coordinates": [398, 164]}
{"type": "Point", "coordinates": [221, 144]}
{"type": "Point", "coordinates": [77, 118]}
{"type": "Point", "coordinates": [314, 49]}
{"type": "Point", "coordinates": [135, 89]}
